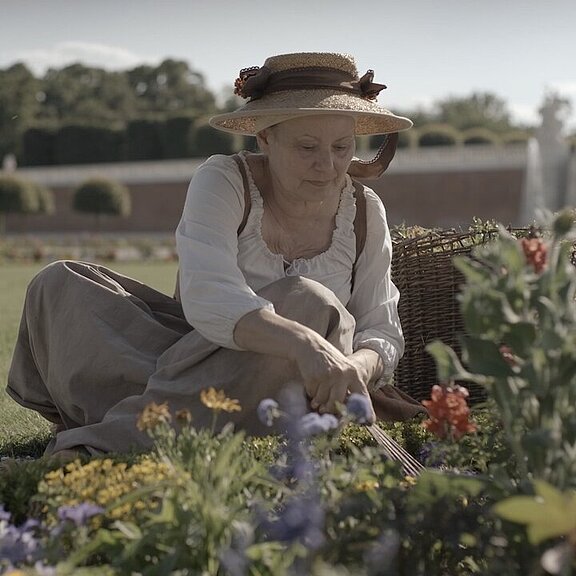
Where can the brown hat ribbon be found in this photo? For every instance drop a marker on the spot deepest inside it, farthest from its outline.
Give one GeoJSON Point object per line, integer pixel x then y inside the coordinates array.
{"type": "Point", "coordinates": [372, 169]}
{"type": "Point", "coordinates": [257, 81]}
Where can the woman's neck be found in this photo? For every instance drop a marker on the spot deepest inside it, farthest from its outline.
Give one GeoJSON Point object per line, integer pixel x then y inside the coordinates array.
{"type": "Point", "coordinates": [283, 203]}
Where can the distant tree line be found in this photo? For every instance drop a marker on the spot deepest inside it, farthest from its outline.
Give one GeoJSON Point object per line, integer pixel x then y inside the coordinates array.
{"type": "Point", "coordinates": [80, 114]}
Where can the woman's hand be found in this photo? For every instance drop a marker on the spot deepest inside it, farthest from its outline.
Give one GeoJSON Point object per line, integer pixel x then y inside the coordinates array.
{"type": "Point", "coordinates": [329, 376]}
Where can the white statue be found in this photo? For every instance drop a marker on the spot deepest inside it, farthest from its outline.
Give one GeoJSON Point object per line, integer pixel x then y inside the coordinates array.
{"type": "Point", "coordinates": [9, 163]}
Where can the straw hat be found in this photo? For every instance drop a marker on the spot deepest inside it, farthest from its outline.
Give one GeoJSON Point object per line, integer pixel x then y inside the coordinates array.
{"type": "Point", "coordinates": [308, 83]}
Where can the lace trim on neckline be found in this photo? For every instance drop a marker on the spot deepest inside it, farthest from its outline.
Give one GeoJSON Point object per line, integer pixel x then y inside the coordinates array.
{"type": "Point", "coordinates": [342, 236]}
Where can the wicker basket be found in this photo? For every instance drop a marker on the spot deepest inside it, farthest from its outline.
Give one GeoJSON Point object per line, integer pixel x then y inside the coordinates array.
{"type": "Point", "coordinates": [428, 282]}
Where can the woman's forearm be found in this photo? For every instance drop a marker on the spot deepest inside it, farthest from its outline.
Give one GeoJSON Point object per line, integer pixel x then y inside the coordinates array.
{"type": "Point", "coordinates": [266, 332]}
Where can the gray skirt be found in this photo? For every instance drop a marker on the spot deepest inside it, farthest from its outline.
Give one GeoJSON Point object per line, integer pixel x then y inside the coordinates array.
{"type": "Point", "coordinates": [96, 347]}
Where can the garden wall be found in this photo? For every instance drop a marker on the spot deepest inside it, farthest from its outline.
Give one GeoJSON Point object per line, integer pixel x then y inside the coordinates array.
{"type": "Point", "coordinates": [426, 187]}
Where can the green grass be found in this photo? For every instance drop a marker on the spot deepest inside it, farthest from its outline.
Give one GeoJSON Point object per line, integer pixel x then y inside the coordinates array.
{"type": "Point", "coordinates": [24, 431]}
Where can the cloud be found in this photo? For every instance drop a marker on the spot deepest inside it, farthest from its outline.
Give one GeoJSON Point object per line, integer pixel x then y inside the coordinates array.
{"type": "Point", "coordinates": [564, 87]}
{"type": "Point", "coordinates": [64, 53]}
{"type": "Point", "coordinates": [524, 113]}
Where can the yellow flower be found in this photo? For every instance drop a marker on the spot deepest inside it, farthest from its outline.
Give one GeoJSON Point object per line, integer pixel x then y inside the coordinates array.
{"type": "Point", "coordinates": [103, 482]}
{"type": "Point", "coordinates": [218, 401]}
{"type": "Point", "coordinates": [153, 415]}
{"type": "Point", "coordinates": [366, 486]}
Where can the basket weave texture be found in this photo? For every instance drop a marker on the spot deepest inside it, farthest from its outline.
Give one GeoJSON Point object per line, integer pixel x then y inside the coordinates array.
{"type": "Point", "coordinates": [422, 270]}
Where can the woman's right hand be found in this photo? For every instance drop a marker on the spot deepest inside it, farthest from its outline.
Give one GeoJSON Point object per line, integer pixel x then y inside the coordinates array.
{"type": "Point", "coordinates": [328, 375]}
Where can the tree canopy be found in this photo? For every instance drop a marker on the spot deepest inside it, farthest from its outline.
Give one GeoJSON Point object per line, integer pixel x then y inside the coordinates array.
{"type": "Point", "coordinates": [151, 112]}
{"type": "Point", "coordinates": [83, 95]}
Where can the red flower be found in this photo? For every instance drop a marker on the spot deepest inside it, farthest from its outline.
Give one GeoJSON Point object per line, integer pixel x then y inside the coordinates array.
{"type": "Point", "coordinates": [449, 412]}
{"type": "Point", "coordinates": [535, 251]}
{"type": "Point", "coordinates": [508, 355]}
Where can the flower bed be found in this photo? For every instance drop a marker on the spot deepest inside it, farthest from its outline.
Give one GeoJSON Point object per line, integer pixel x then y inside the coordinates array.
{"type": "Point", "coordinates": [498, 495]}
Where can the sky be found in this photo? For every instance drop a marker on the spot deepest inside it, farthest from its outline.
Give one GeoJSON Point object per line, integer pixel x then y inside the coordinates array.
{"type": "Point", "coordinates": [423, 50]}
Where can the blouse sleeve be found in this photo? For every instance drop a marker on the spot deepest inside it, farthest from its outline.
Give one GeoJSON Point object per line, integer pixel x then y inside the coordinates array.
{"type": "Point", "coordinates": [213, 290]}
{"type": "Point", "coordinates": [374, 300]}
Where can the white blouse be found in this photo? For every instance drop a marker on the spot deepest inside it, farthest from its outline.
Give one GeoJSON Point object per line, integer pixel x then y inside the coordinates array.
{"type": "Point", "coordinates": [220, 271]}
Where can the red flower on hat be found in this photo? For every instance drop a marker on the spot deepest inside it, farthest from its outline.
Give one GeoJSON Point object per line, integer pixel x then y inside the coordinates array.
{"type": "Point", "coordinates": [535, 251]}
{"type": "Point", "coordinates": [449, 412]}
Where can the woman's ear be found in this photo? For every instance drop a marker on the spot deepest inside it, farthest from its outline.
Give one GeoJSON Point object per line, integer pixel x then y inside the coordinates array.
{"type": "Point", "coordinates": [262, 139]}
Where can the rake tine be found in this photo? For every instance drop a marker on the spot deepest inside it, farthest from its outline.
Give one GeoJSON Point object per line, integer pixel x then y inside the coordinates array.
{"type": "Point", "coordinates": [395, 452]}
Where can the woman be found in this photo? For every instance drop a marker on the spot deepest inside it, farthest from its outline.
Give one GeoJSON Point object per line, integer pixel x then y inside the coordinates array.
{"type": "Point", "coordinates": [273, 278]}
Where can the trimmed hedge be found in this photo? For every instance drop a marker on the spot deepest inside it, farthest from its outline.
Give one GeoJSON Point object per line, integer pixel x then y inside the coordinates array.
{"type": "Point", "coordinates": [17, 195]}
{"type": "Point", "coordinates": [205, 141]}
{"type": "Point", "coordinates": [77, 144]}
{"type": "Point", "coordinates": [101, 196]}
{"type": "Point", "coordinates": [39, 147]}
{"type": "Point", "coordinates": [143, 140]}
{"type": "Point", "coordinates": [175, 136]}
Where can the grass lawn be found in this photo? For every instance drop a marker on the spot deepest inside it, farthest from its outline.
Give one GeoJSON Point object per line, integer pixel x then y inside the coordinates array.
{"type": "Point", "coordinates": [23, 431]}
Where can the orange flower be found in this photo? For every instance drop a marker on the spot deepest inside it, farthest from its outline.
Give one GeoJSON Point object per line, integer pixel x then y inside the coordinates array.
{"type": "Point", "coordinates": [153, 415]}
{"type": "Point", "coordinates": [535, 251]}
{"type": "Point", "coordinates": [217, 401]}
{"type": "Point", "coordinates": [449, 412]}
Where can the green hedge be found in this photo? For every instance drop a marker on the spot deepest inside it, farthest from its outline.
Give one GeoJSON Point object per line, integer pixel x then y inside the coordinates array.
{"type": "Point", "coordinates": [77, 144]}
{"type": "Point", "coordinates": [175, 136]}
{"type": "Point", "coordinates": [38, 147]}
{"type": "Point", "coordinates": [101, 196]}
{"type": "Point", "coordinates": [205, 141]}
{"type": "Point", "coordinates": [143, 140]}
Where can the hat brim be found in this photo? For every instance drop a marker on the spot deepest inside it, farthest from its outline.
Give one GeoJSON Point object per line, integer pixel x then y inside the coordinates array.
{"type": "Point", "coordinates": [370, 118]}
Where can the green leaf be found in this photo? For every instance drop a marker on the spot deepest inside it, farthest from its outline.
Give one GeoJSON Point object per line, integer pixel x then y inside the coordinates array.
{"type": "Point", "coordinates": [472, 271]}
{"type": "Point", "coordinates": [448, 365]}
{"type": "Point", "coordinates": [520, 509]}
{"type": "Point", "coordinates": [551, 495]}
{"type": "Point", "coordinates": [520, 336]}
{"type": "Point", "coordinates": [548, 515]}
{"type": "Point", "coordinates": [484, 357]}
{"type": "Point", "coordinates": [440, 485]}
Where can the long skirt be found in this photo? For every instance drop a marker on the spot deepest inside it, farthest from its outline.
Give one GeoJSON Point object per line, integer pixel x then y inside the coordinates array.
{"type": "Point", "coordinates": [96, 347]}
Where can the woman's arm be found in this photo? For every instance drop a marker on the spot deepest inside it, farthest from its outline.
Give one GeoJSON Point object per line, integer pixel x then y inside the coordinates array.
{"type": "Point", "coordinates": [374, 300]}
{"type": "Point", "coordinates": [213, 290]}
{"type": "Point", "coordinates": [327, 374]}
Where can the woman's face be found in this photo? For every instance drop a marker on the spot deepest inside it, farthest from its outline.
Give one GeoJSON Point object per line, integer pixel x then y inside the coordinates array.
{"type": "Point", "coordinates": [309, 156]}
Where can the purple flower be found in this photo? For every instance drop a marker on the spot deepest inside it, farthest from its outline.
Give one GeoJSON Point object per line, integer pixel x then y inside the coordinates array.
{"type": "Point", "coordinates": [301, 520]}
{"type": "Point", "coordinates": [268, 411]}
{"type": "Point", "coordinates": [79, 514]}
{"type": "Point", "coordinates": [18, 544]}
{"type": "Point", "coordinates": [382, 557]}
{"type": "Point", "coordinates": [312, 424]}
{"type": "Point", "coordinates": [359, 408]}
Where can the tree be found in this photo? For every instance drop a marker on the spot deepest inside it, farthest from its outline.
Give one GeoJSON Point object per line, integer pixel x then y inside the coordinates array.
{"type": "Point", "coordinates": [16, 196]}
{"type": "Point", "coordinates": [170, 87]}
{"type": "Point", "coordinates": [101, 197]}
{"type": "Point", "coordinates": [480, 109]}
{"type": "Point", "coordinates": [18, 106]}
{"type": "Point", "coordinates": [83, 94]}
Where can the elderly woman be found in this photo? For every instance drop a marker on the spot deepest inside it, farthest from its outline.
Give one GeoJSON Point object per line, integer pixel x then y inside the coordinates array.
{"type": "Point", "coordinates": [284, 278]}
